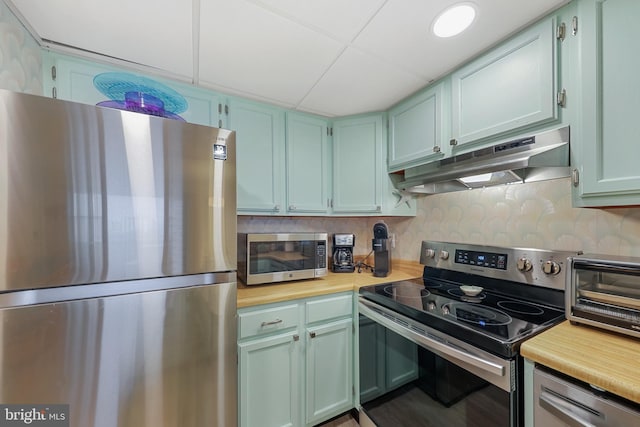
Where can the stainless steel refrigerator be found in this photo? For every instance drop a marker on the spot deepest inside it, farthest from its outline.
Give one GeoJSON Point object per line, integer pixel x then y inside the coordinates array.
{"type": "Point", "coordinates": [117, 265]}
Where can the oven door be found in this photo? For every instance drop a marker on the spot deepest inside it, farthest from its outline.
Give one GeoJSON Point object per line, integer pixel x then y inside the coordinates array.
{"type": "Point", "coordinates": [411, 374]}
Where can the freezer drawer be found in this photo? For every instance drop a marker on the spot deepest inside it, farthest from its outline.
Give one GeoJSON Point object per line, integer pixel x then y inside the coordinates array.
{"type": "Point", "coordinates": [560, 402]}
{"type": "Point", "coordinates": [156, 358]}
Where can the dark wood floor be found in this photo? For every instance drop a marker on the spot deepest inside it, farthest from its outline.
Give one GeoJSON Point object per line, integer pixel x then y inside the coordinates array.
{"type": "Point", "coordinates": [415, 408]}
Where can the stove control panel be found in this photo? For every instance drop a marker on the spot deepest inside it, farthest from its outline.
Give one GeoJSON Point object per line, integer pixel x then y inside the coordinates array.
{"type": "Point", "coordinates": [482, 259]}
{"type": "Point", "coordinates": [539, 267]}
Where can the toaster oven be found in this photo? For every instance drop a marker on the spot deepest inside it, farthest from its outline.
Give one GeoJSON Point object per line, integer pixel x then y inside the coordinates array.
{"type": "Point", "coordinates": [604, 291]}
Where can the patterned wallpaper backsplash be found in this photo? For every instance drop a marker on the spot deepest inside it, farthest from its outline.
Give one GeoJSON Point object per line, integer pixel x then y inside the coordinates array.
{"type": "Point", "coordinates": [20, 57]}
{"type": "Point", "coordinates": [536, 215]}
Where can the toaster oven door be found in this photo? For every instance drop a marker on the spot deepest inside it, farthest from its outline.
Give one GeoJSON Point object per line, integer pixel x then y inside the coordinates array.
{"type": "Point", "coordinates": [606, 294]}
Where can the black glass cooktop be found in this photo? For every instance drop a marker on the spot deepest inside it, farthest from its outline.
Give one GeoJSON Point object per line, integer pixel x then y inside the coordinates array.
{"type": "Point", "coordinates": [490, 320]}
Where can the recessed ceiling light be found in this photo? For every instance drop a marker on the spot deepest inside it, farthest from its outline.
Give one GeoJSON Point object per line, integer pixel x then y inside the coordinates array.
{"type": "Point", "coordinates": [454, 20]}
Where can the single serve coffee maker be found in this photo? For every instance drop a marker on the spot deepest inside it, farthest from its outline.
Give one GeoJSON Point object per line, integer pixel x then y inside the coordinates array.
{"type": "Point", "coordinates": [381, 250]}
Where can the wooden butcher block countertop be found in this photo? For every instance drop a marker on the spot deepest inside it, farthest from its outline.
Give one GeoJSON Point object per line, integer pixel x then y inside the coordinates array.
{"type": "Point", "coordinates": [605, 359]}
{"type": "Point", "coordinates": [334, 282]}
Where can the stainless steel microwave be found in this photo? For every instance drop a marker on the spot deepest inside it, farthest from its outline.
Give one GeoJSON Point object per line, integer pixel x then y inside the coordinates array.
{"type": "Point", "coordinates": [280, 257]}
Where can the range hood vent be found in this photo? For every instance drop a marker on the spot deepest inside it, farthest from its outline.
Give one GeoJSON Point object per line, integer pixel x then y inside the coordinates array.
{"type": "Point", "coordinates": [534, 158]}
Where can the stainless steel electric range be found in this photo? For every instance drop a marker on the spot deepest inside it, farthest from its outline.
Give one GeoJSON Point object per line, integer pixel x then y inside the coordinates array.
{"type": "Point", "coordinates": [438, 351]}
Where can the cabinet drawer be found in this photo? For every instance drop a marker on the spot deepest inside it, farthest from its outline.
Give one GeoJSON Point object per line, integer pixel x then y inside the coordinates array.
{"type": "Point", "coordinates": [328, 308]}
{"type": "Point", "coordinates": [264, 321]}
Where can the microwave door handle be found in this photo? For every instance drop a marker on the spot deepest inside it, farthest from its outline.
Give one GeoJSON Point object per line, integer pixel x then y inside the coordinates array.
{"type": "Point", "coordinates": [560, 407]}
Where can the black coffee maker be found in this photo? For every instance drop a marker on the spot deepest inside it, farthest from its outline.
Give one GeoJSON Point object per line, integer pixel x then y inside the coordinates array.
{"type": "Point", "coordinates": [381, 250]}
{"type": "Point", "coordinates": [343, 253]}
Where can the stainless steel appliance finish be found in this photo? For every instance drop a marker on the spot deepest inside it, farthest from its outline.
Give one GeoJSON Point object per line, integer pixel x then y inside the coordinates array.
{"type": "Point", "coordinates": [281, 257]}
{"type": "Point", "coordinates": [604, 291]}
{"type": "Point", "coordinates": [454, 355]}
{"type": "Point", "coordinates": [118, 254]}
{"type": "Point", "coordinates": [153, 358]}
{"type": "Point", "coordinates": [561, 402]}
{"type": "Point", "coordinates": [532, 158]}
{"type": "Point", "coordinates": [91, 195]}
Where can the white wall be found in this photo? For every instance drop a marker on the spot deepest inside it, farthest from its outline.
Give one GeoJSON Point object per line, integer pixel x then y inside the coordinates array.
{"type": "Point", "coordinates": [537, 215]}
{"type": "Point", "coordinates": [20, 57]}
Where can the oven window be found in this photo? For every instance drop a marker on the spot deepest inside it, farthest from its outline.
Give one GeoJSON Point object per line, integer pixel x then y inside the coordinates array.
{"type": "Point", "coordinates": [273, 257]}
{"type": "Point", "coordinates": [403, 384]}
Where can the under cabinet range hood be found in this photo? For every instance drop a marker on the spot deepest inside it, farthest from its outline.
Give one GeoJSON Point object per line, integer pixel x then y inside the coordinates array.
{"type": "Point", "coordinates": [533, 158]}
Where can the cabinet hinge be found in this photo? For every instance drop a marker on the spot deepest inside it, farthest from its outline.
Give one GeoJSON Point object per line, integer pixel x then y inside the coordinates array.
{"type": "Point", "coordinates": [226, 109]}
{"type": "Point", "coordinates": [575, 177]}
{"type": "Point", "coordinates": [329, 131]}
{"type": "Point", "coordinates": [561, 98]}
{"type": "Point", "coordinates": [54, 72]}
{"type": "Point", "coordinates": [54, 92]}
{"type": "Point", "coordinates": [219, 108]}
{"type": "Point", "coordinates": [561, 31]}
{"type": "Point", "coordinates": [574, 25]}
{"type": "Point", "coordinates": [353, 390]}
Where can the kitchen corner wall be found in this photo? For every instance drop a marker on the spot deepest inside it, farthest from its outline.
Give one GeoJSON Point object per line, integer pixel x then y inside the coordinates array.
{"type": "Point", "coordinates": [537, 215]}
{"type": "Point", "coordinates": [20, 57]}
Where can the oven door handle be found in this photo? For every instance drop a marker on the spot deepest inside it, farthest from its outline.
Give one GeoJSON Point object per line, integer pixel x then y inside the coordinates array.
{"type": "Point", "coordinates": [431, 343]}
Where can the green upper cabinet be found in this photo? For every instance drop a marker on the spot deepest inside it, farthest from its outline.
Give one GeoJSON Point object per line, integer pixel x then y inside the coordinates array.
{"type": "Point", "coordinates": [307, 156]}
{"type": "Point", "coordinates": [358, 152]}
{"type": "Point", "coordinates": [608, 130]}
{"type": "Point", "coordinates": [417, 129]}
{"type": "Point", "coordinates": [72, 79]}
{"type": "Point", "coordinates": [260, 156]}
{"type": "Point", "coordinates": [509, 89]}
{"type": "Point", "coordinates": [361, 185]}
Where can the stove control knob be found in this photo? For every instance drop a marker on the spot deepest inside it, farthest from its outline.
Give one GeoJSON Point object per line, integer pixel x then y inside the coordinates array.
{"type": "Point", "coordinates": [524, 265]}
{"type": "Point", "coordinates": [430, 253]}
{"type": "Point", "coordinates": [431, 306]}
{"type": "Point", "coordinates": [444, 255]}
{"type": "Point", "coordinates": [551, 267]}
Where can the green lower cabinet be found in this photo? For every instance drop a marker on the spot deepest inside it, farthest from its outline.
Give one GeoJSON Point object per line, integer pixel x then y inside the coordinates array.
{"type": "Point", "coordinates": [329, 362]}
{"type": "Point", "coordinates": [269, 381]}
{"type": "Point", "coordinates": [295, 361]}
{"type": "Point", "coordinates": [391, 360]}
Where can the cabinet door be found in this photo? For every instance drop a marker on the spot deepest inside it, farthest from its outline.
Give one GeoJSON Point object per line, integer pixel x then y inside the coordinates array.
{"type": "Point", "coordinates": [401, 360]}
{"type": "Point", "coordinates": [329, 370]}
{"type": "Point", "coordinates": [73, 81]}
{"type": "Point", "coordinates": [372, 341]}
{"type": "Point", "coordinates": [608, 129]}
{"type": "Point", "coordinates": [510, 88]}
{"type": "Point", "coordinates": [307, 164]}
{"type": "Point", "coordinates": [357, 157]}
{"type": "Point", "coordinates": [269, 389]}
{"type": "Point", "coordinates": [260, 157]}
{"type": "Point", "coordinates": [416, 129]}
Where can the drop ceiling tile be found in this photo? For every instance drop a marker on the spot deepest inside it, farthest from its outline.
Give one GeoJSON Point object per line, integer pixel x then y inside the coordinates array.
{"type": "Point", "coordinates": [359, 82]}
{"type": "Point", "coordinates": [401, 32]}
{"type": "Point", "coordinates": [338, 18]}
{"type": "Point", "coordinates": [156, 33]}
{"type": "Point", "coordinates": [247, 48]}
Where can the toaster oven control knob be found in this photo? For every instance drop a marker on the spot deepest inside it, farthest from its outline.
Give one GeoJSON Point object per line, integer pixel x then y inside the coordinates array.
{"type": "Point", "coordinates": [524, 265]}
{"type": "Point", "coordinates": [444, 255]}
{"type": "Point", "coordinates": [430, 253]}
{"type": "Point", "coordinates": [551, 267]}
